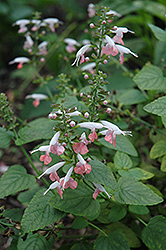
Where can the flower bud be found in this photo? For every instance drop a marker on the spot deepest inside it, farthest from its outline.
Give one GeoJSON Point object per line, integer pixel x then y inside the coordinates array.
{"type": "Point", "coordinates": [72, 123]}
{"type": "Point", "coordinates": [108, 111]}
{"type": "Point", "coordinates": [86, 115]}
{"type": "Point", "coordinates": [91, 25]}
{"type": "Point", "coordinates": [86, 76]}
{"type": "Point", "coordinates": [105, 102]}
{"type": "Point", "coordinates": [105, 61]}
{"type": "Point", "coordinates": [104, 21]}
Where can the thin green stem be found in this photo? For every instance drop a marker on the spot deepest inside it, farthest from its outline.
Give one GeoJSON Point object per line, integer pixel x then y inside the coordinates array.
{"type": "Point", "coordinates": [6, 224]}
{"type": "Point", "coordinates": [143, 222]}
{"type": "Point", "coordinates": [91, 224]}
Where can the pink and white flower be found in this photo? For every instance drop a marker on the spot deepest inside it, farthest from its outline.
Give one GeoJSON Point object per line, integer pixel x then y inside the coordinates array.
{"type": "Point", "coordinates": [46, 158]}
{"type": "Point", "coordinates": [37, 98]}
{"type": "Point", "coordinates": [28, 42]}
{"type": "Point", "coordinates": [91, 10]}
{"type": "Point", "coordinates": [81, 146]}
{"type": "Point", "coordinates": [110, 47]}
{"type": "Point", "coordinates": [55, 146]}
{"type": "Point", "coordinates": [89, 67]}
{"type": "Point", "coordinates": [22, 23]}
{"type": "Point", "coordinates": [112, 131]}
{"type": "Point", "coordinates": [98, 189]}
{"type": "Point", "coordinates": [52, 169]}
{"type": "Point", "coordinates": [71, 43]}
{"type": "Point", "coordinates": [123, 50]}
{"type": "Point", "coordinates": [51, 22]}
{"type": "Point", "coordinates": [80, 55]}
{"type": "Point", "coordinates": [91, 125]}
{"type": "Point", "coordinates": [113, 12]}
{"type": "Point", "coordinates": [119, 34]}
{"type": "Point", "coordinates": [20, 61]}
{"type": "Point", "coordinates": [82, 167]}
{"type": "Point", "coordinates": [43, 48]}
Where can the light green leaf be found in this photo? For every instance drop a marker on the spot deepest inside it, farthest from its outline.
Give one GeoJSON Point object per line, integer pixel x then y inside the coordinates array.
{"type": "Point", "coordinates": [101, 174]}
{"type": "Point", "coordinates": [115, 240]}
{"type": "Point", "coordinates": [158, 149]}
{"type": "Point", "coordinates": [39, 213]}
{"type": "Point", "coordinates": [138, 209]}
{"type": "Point", "coordinates": [41, 128]}
{"type": "Point", "coordinates": [122, 144]}
{"type": "Point", "coordinates": [164, 120]}
{"type": "Point", "coordinates": [130, 97]}
{"type": "Point", "coordinates": [35, 242]}
{"type": "Point", "coordinates": [136, 173]}
{"type": "Point", "coordinates": [15, 179]}
{"type": "Point", "coordinates": [158, 32]}
{"type": "Point", "coordinates": [163, 164]}
{"type": "Point", "coordinates": [122, 161]}
{"type": "Point", "coordinates": [133, 193]}
{"type": "Point", "coordinates": [150, 77]}
{"type": "Point", "coordinates": [117, 213]}
{"type": "Point", "coordinates": [157, 107]}
{"type": "Point", "coordinates": [82, 245]}
{"type": "Point", "coordinates": [5, 137]}
{"type": "Point", "coordinates": [154, 234]}
{"type": "Point", "coordinates": [78, 202]}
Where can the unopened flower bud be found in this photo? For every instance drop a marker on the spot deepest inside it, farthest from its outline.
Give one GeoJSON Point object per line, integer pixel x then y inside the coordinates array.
{"type": "Point", "coordinates": [108, 111]}
{"type": "Point", "coordinates": [42, 59]}
{"type": "Point", "coordinates": [86, 115]}
{"type": "Point", "coordinates": [43, 32]}
{"type": "Point", "coordinates": [86, 76]}
{"type": "Point", "coordinates": [87, 59]}
{"type": "Point", "coordinates": [89, 96]}
{"type": "Point", "coordinates": [105, 61]}
{"type": "Point", "coordinates": [72, 123]}
{"type": "Point", "coordinates": [91, 25]}
{"type": "Point", "coordinates": [105, 102]}
{"type": "Point", "coordinates": [104, 22]}
{"type": "Point", "coordinates": [29, 50]}
{"type": "Point", "coordinates": [52, 115]}
{"type": "Point", "coordinates": [66, 134]}
{"type": "Point", "coordinates": [81, 94]}
{"type": "Point", "coordinates": [64, 144]}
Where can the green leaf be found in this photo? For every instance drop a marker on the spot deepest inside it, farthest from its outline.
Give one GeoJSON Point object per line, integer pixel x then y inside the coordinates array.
{"type": "Point", "coordinates": [130, 235]}
{"type": "Point", "coordinates": [115, 240]}
{"type": "Point", "coordinates": [117, 213]}
{"type": "Point", "coordinates": [41, 128]}
{"type": "Point", "coordinates": [35, 242]}
{"type": "Point", "coordinates": [26, 196]}
{"type": "Point", "coordinates": [79, 222]}
{"type": "Point", "coordinates": [135, 193]}
{"type": "Point", "coordinates": [14, 213]}
{"type": "Point", "coordinates": [101, 174]}
{"type": "Point", "coordinates": [138, 209]}
{"type": "Point", "coordinates": [157, 107]}
{"type": "Point", "coordinates": [82, 245]}
{"type": "Point", "coordinates": [164, 120]}
{"type": "Point", "coordinates": [5, 137]}
{"type": "Point", "coordinates": [130, 97]}
{"type": "Point", "coordinates": [122, 144]}
{"type": "Point", "coordinates": [154, 234]}
{"type": "Point", "coordinates": [71, 102]}
{"type": "Point", "coordinates": [158, 32]}
{"type": "Point", "coordinates": [136, 173]}
{"type": "Point", "coordinates": [39, 213]}
{"type": "Point", "coordinates": [78, 202]}
{"type": "Point", "coordinates": [150, 77]}
{"type": "Point", "coordinates": [163, 164]}
{"type": "Point", "coordinates": [158, 149]}
{"type": "Point", "coordinates": [122, 161]}
{"type": "Point", "coordinates": [15, 179]}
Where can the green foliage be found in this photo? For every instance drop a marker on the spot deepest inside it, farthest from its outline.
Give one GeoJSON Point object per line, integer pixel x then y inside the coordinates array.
{"type": "Point", "coordinates": [78, 202]}
{"type": "Point", "coordinates": [136, 209]}
{"type": "Point", "coordinates": [122, 161]}
{"type": "Point", "coordinates": [39, 213]}
{"type": "Point", "coordinates": [154, 234]}
{"type": "Point", "coordinates": [115, 240]}
{"type": "Point", "coordinates": [82, 245]}
{"type": "Point", "coordinates": [117, 213]}
{"type": "Point", "coordinates": [15, 179]}
{"type": "Point", "coordinates": [79, 222]}
{"type": "Point", "coordinates": [158, 149]}
{"type": "Point", "coordinates": [159, 33]}
{"type": "Point", "coordinates": [5, 137]}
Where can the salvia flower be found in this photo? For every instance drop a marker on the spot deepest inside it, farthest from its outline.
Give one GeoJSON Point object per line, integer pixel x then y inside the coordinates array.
{"type": "Point", "coordinates": [52, 169]}
{"type": "Point", "coordinates": [81, 146]}
{"type": "Point", "coordinates": [45, 158]}
{"type": "Point", "coordinates": [123, 50]}
{"type": "Point", "coordinates": [82, 167]}
{"type": "Point", "coordinates": [80, 55]}
{"type": "Point", "coordinates": [119, 34]}
{"type": "Point", "coordinates": [110, 47]}
{"type": "Point", "coordinates": [114, 13]}
{"type": "Point", "coordinates": [89, 67]}
{"type": "Point", "coordinates": [74, 113]}
{"type": "Point", "coordinates": [43, 48]}
{"type": "Point", "coordinates": [55, 146]}
{"type": "Point", "coordinates": [37, 24]}
{"type": "Point", "coordinates": [112, 131]}
{"type": "Point", "coordinates": [51, 22]}
{"type": "Point", "coordinates": [28, 42]}
{"type": "Point", "coordinates": [22, 23]}
{"type": "Point", "coordinates": [71, 43]}
{"type": "Point", "coordinates": [20, 61]}
{"type": "Point", "coordinates": [63, 183]}
{"type": "Point", "coordinates": [91, 125]}
{"type": "Point", "coordinates": [91, 10]}
{"type": "Point", "coordinates": [98, 189]}
{"type": "Point", "coordinates": [37, 98]}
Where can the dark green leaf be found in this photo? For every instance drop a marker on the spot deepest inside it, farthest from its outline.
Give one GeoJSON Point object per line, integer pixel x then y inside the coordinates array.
{"type": "Point", "coordinates": [71, 102]}
{"type": "Point", "coordinates": [41, 128]}
{"type": "Point", "coordinates": [154, 234]}
{"type": "Point", "coordinates": [78, 202]}
{"type": "Point", "coordinates": [117, 213]}
{"type": "Point", "coordinates": [5, 137]}
{"type": "Point", "coordinates": [158, 32]}
{"type": "Point", "coordinates": [39, 213]}
{"type": "Point", "coordinates": [130, 97]}
{"type": "Point", "coordinates": [136, 173]}
{"type": "Point", "coordinates": [138, 209]}
{"type": "Point", "coordinates": [101, 174]}
{"type": "Point", "coordinates": [26, 196]}
{"type": "Point", "coordinates": [79, 222]}
{"type": "Point", "coordinates": [14, 213]}
{"type": "Point", "coordinates": [122, 144]}
{"type": "Point", "coordinates": [150, 77]}
{"type": "Point", "coordinates": [82, 245]}
{"type": "Point", "coordinates": [133, 192]}
{"type": "Point", "coordinates": [157, 107]}
{"type": "Point", "coordinates": [15, 179]}
{"type": "Point", "coordinates": [115, 240]}
{"type": "Point", "coordinates": [35, 242]}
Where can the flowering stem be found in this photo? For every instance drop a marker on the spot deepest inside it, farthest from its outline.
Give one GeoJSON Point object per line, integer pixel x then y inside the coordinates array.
{"type": "Point", "coordinates": [91, 224]}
